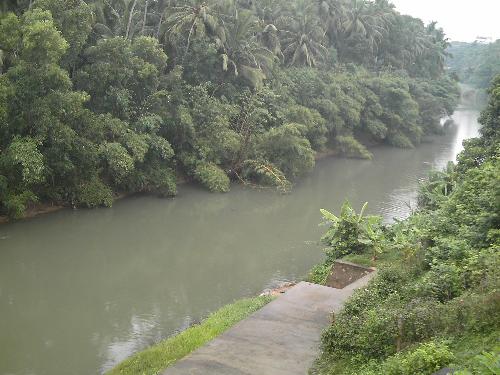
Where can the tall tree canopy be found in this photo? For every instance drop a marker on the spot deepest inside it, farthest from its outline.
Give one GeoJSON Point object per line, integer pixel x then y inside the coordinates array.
{"type": "Point", "coordinates": [100, 97]}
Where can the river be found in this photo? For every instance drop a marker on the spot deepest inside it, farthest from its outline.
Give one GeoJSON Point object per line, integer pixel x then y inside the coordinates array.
{"type": "Point", "coordinates": [80, 290]}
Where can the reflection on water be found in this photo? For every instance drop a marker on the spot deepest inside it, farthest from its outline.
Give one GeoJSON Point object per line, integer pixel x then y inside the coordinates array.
{"type": "Point", "coordinates": [82, 290]}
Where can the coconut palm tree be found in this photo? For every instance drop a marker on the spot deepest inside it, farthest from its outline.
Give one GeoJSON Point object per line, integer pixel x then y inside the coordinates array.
{"type": "Point", "coordinates": [332, 13]}
{"type": "Point", "coordinates": [368, 21]}
{"type": "Point", "coordinates": [304, 42]}
{"type": "Point", "coordinates": [242, 51]}
{"type": "Point", "coordinates": [198, 18]}
{"type": "Point", "coordinates": [118, 17]}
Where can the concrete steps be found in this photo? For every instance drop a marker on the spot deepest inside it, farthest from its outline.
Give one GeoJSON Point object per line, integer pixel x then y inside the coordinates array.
{"type": "Point", "coordinates": [282, 338]}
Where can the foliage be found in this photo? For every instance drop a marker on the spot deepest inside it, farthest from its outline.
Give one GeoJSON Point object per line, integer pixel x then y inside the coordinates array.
{"type": "Point", "coordinates": [94, 194]}
{"type": "Point", "coordinates": [212, 177]}
{"type": "Point", "coordinates": [319, 273]}
{"type": "Point", "coordinates": [153, 360]}
{"type": "Point", "coordinates": [351, 233]}
{"type": "Point", "coordinates": [426, 358]}
{"type": "Point", "coordinates": [487, 363]}
{"type": "Point", "coordinates": [122, 96]}
{"type": "Point", "coordinates": [475, 63]}
{"type": "Point", "coordinates": [442, 281]}
{"type": "Point", "coordinates": [352, 148]}
{"type": "Point", "coordinates": [286, 148]}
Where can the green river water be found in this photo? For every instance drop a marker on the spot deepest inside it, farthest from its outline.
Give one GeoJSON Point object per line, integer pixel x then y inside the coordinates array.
{"type": "Point", "coordinates": [80, 290]}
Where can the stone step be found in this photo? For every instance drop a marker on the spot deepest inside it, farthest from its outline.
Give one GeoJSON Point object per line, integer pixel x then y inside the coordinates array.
{"type": "Point", "coordinates": [282, 338]}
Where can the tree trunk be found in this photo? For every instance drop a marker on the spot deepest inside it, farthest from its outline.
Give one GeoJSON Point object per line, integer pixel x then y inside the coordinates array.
{"type": "Point", "coordinates": [145, 16]}
{"type": "Point", "coordinates": [130, 19]}
{"type": "Point", "coordinates": [159, 27]}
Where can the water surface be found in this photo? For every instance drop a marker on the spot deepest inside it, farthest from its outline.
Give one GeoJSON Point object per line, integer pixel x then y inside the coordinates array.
{"type": "Point", "coordinates": [80, 290]}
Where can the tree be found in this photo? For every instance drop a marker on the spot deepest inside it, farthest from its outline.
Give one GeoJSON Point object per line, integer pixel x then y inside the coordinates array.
{"type": "Point", "coordinates": [303, 39]}
{"type": "Point", "coordinates": [242, 53]}
{"type": "Point", "coordinates": [119, 17]}
{"type": "Point", "coordinates": [196, 18]}
{"type": "Point", "coordinates": [73, 18]}
{"type": "Point", "coordinates": [351, 233]}
{"type": "Point", "coordinates": [288, 150]}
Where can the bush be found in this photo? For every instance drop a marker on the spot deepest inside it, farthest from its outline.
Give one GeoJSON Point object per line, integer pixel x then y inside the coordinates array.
{"type": "Point", "coordinates": [163, 182]}
{"type": "Point", "coordinates": [315, 124]}
{"type": "Point", "coordinates": [471, 313]}
{"type": "Point", "coordinates": [351, 233]}
{"type": "Point", "coordinates": [486, 363]}
{"type": "Point", "coordinates": [350, 147]}
{"type": "Point", "coordinates": [288, 149]}
{"type": "Point", "coordinates": [319, 273]}
{"type": "Point", "coordinates": [400, 140]}
{"type": "Point", "coordinates": [153, 179]}
{"type": "Point", "coordinates": [425, 359]}
{"type": "Point", "coordinates": [94, 194]}
{"type": "Point", "coordinates": [15, 204]}
{"type": "Point", "coordinates": [420, 321]}
{"type": "Point", "coordinates": [443, 282]}
{"type": "Point", "coordinates": [211, 176]}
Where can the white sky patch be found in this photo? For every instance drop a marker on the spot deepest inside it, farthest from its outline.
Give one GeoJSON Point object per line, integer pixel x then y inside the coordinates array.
{"type": "Point", "coordinates": [462, 20]}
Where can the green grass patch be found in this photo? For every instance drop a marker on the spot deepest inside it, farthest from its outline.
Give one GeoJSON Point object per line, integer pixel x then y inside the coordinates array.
{"type": "Point", "coordinates": [160, 356]}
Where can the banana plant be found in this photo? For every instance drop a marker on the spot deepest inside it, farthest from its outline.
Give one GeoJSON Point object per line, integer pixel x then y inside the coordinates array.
{"type": "Point", "coordinates": [352, 233]}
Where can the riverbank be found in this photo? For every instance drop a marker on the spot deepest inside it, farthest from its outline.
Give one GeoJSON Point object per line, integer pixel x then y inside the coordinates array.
{"type": "Point", "coordinates": [399, 325]}
{"type": "Point", "coordinates": [37, 209]}
{"type": "Point", "coordinates": [435, 300]}
{"type": "Point", "coordinates": [164, 354]}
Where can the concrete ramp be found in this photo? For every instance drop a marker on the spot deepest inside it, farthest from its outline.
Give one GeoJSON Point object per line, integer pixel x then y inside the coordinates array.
{"type": "Point", "coordinates": [282, 338]}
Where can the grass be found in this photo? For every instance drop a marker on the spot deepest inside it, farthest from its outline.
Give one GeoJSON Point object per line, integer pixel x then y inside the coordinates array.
{"type": "Point", "coordinates": [467, 347]}
{"type": "Point", "coordinates": [158, 357]}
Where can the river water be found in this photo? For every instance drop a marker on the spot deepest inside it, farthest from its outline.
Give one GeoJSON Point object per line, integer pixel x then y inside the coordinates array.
{"type": "Point", "coordinates": [80, 290]}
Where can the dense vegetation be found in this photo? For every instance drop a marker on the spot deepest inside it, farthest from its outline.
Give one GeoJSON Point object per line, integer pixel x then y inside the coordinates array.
{"type": "Point", "coordinates": [475, 63]}
{"type": "Point", "coordinates": [103, 97]}
{"type": "Point", "coordinates": [435, 301]}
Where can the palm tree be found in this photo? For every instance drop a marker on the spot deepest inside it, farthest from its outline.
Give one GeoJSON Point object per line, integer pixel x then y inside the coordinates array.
{"type": "Point", "coordinates": [197, 18]}
{"type": "Point", "coordinates": [242, 52]}
{"type": "Point", "coordinates": [440, 43]}
{"type": "Point", "coordinates": [332, 13]}
{"type": "Point", "coordinates": [118, 17]}
{"type": "Point", "coordinates": [303, 38]}
{"type": "Point", "coordinates": [367, 20]}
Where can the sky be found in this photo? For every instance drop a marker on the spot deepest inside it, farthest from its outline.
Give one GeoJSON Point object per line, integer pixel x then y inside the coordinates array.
{"type": "Point", "coordinates": [462, 20]}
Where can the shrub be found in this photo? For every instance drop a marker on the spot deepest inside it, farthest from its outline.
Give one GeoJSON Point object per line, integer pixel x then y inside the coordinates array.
{"type": "Point", "coordinates": [94, 194]}
{"type": "Point", "coordinates": [319, 273]}
{"type": "Point", "coordinates": [486, 363]}
{"type": "Point", "coordinates": [424, 359]}
{"type": "Point", "coordinates": [471, 312]}
{"type": "Point", "coordinates": [351, 233]}
{"type": "Point", "coordinates": [288, 149]}
{"type": "Point", "coordinates": [311, 118]}
{"type": "Point", "coordinates": [420, 320]}
{"type": "Point", "coordinates": [211, 176]}
{"type": "Point", "coordinates": [15, 204]}
{"type": "Point", "coordinates": [443, 282]}
{"type": "Point", "coordinates": [266, 174]}
{"type": "Point", "coordinates": [153, 179]}
{"type": "Point", "coordinates": [350, 147]}
{"type": "Point", "coordinates": [400, 140]}
{"type": "Point", "coordinates": [163, 181]}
